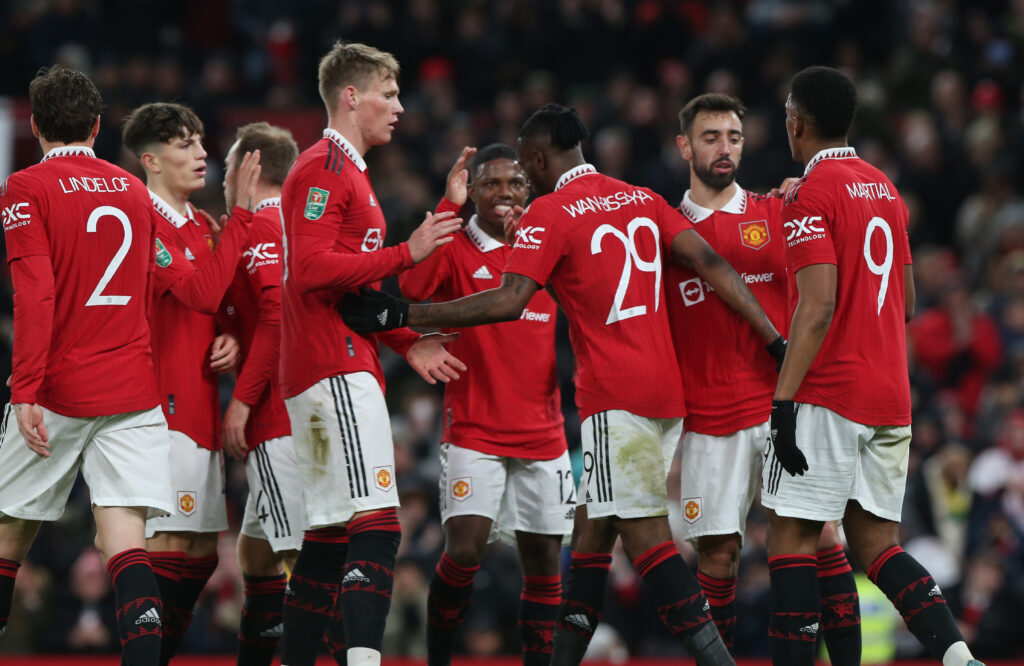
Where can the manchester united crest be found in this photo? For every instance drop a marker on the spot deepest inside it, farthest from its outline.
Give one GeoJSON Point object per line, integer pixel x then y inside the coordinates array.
{"type": "Point", "coordinates": [383, 478]}
{"type": "Point", "coordinates": [692, 509]}
{"type": "Point", "coordinates": [754, 234]}
{"type": "Point", "coordinates": [462, 488]}
{"type": "Point", "coordinates": [187, 502]}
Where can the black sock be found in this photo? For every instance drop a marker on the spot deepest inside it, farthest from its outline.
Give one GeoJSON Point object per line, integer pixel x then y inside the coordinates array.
{"type": "Point", "coordinates": [365, 592]}
{"type": "Point", "coordinates": [538, 610]}
{"type": "Point", "coordinates": [261, 627]}
{"type": "Point", "coordinates": [334, 637]}
{"type": "Point", "coordinates": [840, 607]}
{"type": "Point", "coordinates": [138, 606]}
{"type": "Point", "coordinates": [451, 588]}
{"type": "Point", "coordinates": [918, 598]}
{"type": "Point", "coordinates": [167, 566]}
{"type": "Point", "coordinates": [182, 602]}
{"type": "Point", "coordinates": [795, 610]}
{"type": "Point", "coordinates": [312, 594]}
{"type": "Point", "coordinates": [721, 595]}
{"type": "Point", "coordinates": [8, 572]}
{"type": "Point", "coordinates": [581, 608]}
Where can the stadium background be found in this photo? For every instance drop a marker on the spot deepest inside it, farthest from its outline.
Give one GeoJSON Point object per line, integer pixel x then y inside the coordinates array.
{"type": "Point", "coordinates": [940, 112]}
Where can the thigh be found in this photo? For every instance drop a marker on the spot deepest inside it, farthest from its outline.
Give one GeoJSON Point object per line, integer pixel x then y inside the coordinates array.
{"type": "Point", "coordinates": [34, 488]}
{"type": "Point", "coordinates": [830, 443]}
{"type": "Point", "coordinates": [540, 498]}
{"type": "Point", "coordinates": [471, 483]}
{"type": "Point", "coordinates": [197, 490]}
{"type": "Point", "coordinates": [881, 477]}
{"type": "Point", "coordinates": [719, 479]}
{"type": "Point", "coordinates": [342, 436]}
{"type": "Point", "coordinates": [126, 463]}
{"type": "Point", "coordinates": [625, 465]}
{"type": "Point", "coordinates": [274, 510]}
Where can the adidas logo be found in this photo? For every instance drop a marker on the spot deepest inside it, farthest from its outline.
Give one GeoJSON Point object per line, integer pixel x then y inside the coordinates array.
{"type": "Point", "coordinates": [580, 620]}
{"type": "Point", "coordinates": [570, 514]}
{"type": "Point", "coordinates": [189, 255]}
{"type": "Point", "coordinates": [355, 576]}
{"type": "Point", "coordinates": [810, 629]}
{"type": "Point", "coordinates": [707, 606]}
{"type": "Point", "coordinates": [288, 591]}
{"type": "Point", "coordinates": [382, 317]}
{"type": "Point", "coordinates": [934, 592]}
{"type": "Point", "coordinates": [273, 632]}
{"type": "Point", "coordinates": [149, 616]}
{"type": "Point", "coordinates": [483, 274]}
{"type": "Point", "coordinates": [372, 202]}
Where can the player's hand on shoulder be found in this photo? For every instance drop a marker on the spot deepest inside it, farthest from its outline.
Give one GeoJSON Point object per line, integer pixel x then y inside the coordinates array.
{"type": "Point", "coordinates": [225, 353]}
{"type": "Point", "coordinates": [372, 311]}
{"type": "Point", "coordinates": [233, 429]}
{"type": "Point", "coordinates": [435, 230]}
{"type": "Point", "coordinates": [510, 222]}
{"type": "Point", "coordinates": [785, 187]}
{"type": "Point", "coordinates": [32, 428]}
{"type": "Point", "coordinates": [431, 360]}
{"type": "Point", "coordinates": [457, 187]}
{"type": "Point", "coordinates": [783, 438]}
{"type": "Point", "coordinates": [216, 228]}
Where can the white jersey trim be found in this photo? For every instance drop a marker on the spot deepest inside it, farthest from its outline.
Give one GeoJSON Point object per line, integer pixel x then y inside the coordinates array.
{"type": "Point", "coordinates": [346, 147]}
{"type": "Point", "coordinates": [480, 238]}
{"type": "Point", "coordinates": [271, 202]}
{"type": "Point", "coordinates": [171, 215]}
{"type": "Point", "coordinates": [68, 151]}
{"type": "Point", "coordinates": [697, 213]}
{"type": "Point", "coordinates": [574, 173]}
{"type": "Point", "coordinates": [843, 153]}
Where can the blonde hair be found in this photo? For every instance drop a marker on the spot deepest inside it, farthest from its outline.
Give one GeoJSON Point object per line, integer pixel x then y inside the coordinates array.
{"type": "Point", "coordinates": [277, 150]}
{"type": "Point", "coordinates": [351, 63]}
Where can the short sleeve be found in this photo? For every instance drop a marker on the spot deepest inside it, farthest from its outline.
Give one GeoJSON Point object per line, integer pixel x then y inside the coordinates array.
{"type": "Point", "coordinates": [24, 229]}
{"type": "Point", "coordinates": [263, 256]}
{"type": "Point", "coordinates": [539, 246]}
{"type": "Point", "coordinates": [808, 226]}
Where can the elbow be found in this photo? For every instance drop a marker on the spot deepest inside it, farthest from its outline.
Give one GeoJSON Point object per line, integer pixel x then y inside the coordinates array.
{"type": "Point", "coordinates": [823, 314]}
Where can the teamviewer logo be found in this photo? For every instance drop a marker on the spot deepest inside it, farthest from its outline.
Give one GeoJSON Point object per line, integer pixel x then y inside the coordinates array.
{"type": "Point", "coordinates": [692, 291]}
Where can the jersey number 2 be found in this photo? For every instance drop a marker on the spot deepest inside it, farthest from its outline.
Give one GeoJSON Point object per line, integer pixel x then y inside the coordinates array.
{"type": "Point", "coordinates": [617, 313]}
{"type": "Point", "coordinates": [98, 297]}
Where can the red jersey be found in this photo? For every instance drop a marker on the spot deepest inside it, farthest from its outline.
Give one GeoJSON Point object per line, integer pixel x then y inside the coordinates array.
{"type": "Point", "coordinates": [598, 242]}
{"type": "Point", "coordinates": [81, 339]}
{"type": "Point", "coordinates": [255, 313]}
{"type": "Point", "coordinates": [334, 242]}
{"type": "Point", "coordinates": [846, 212]}
{"type": "Point", "coordinates": [183, 330]}
{"type": "Point", "coordinates": [712, 340]}
{"type": "Point", "coordinates": [496, 408]}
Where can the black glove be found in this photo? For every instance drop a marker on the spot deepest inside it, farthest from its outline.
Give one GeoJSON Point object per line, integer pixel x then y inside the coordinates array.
{"type": "Point", "coordinates": [777, 349]}
{"type": "Point", "coordinates": [371, 311]}
{"type": "Point", "coordinates": [783, 436]}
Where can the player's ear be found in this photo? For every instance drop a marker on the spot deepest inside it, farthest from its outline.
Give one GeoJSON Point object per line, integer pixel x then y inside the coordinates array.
{"type": "Point", "coordinates": [685, 149]}
{"type": "Point", "coordinates": [150, 162]}
{"type": "Point", "coordinates": [350, 97]}
{"type": "Point", "coordinates": [95, 128]}
{"type": "Point", "coordinates": [35, 128]}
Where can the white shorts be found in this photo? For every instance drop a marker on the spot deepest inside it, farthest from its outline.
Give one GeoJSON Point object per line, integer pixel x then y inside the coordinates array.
{"type": "Point", "coordinates": [197, 490]}
{"type": "Point", "coordinates": [846, 461]}
{"type": "Point", "coordinates": [626, 459]}
{"type": "Point", "coordinates": [719, 479]}
{"type": "Point", "coordinates": [123, 457]}
{"type": "Point", "coordinates": [343, 443]}
{"type": "Point", "coordinates": [519, 495]}
{"type": "Point", "coordinates": [274, 511]}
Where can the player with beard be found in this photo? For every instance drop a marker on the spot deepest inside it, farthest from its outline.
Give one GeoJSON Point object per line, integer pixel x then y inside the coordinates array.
{"type": "Point", "coordinates": [597, 243]}
{"type": "Point", "coordinates": [726, 424]}
{"type": "Point", "coordinates": [505, 467]}
{"type": "Point", "coordinates": [841, 412]}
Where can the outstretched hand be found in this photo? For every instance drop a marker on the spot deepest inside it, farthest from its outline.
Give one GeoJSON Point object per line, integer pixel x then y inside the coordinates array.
{"type": "Point", "coordinates": [510, 222]}
{"type": "Point", "coordinates": [436, 230]}
{"type": "Point", "coordinates": [431, 360]}
{"type": "Point", "coordinates": [457, 190]}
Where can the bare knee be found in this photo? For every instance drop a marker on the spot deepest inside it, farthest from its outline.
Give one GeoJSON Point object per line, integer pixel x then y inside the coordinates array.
{"type": "Point", "coordinates": [868, 535]}
{"type": "Point", "coordinates": [466, 538]}
{"type": "Point", "coordinates": [719, 555]}
{"type": "Point", "coordinates": [539, 553]}
{"type": "Point", "coordinates": [257, 558]}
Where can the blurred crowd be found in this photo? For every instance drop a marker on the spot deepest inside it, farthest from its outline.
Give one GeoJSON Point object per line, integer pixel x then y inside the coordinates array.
{"type": "Point", "coordinates": [941, 112]}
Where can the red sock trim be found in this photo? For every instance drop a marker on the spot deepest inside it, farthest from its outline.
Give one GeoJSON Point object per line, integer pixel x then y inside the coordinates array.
{"type": "Point", "coordinates": [455, 575]}
{"type": "Point", "coordinates": [542, 589]}
{"type": "Point", "coordinates": [385, 520]}
{"type": "Point", "coordinates": [125, 559]}
{"type": "Point", "coordinates": [832, 562]}
{"type": "Point", "coordinates": [591, 561]}
{"type": "Point", "coordinates": [655, 556]}
{"type": "Point", "coordinates": [780, 562]}
{"type": "Point", "coordinates": [880, 561]}
{"type": "Point", "coordinates": [719, 591]}
{"type": "Point", "coordinates": [199, 568]}
{"type": "Point", "coordinates": [333, 534]}
{"type": "Point", "coordinates": [9, 568]}
{"type": "Point", "coordinates": [274, 585]}
{"type": "Point", "coordinates": [168, 564]}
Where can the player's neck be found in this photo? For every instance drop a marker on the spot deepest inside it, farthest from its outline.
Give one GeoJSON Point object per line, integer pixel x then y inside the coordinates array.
{"type": "Point", "coordinates": [708, 197]}
{"type": "Point", "coordinates": [176, 199]}
{"type": "Point", "coordinates": [264, 192]}
{"type": "Point", "coordinates": [814, 146]}
{"type": "Point", "coordinates": [494, 230]}
{"type": "Point", "coordinates": [47, 146]}
{"type": "Point", "coordinates": [343, 126]}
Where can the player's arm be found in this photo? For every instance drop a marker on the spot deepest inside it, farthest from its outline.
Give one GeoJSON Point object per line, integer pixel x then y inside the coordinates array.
{"type": "Point", "coordinates": [816, 286]}
{"type": "Point", "coordinates": [691, 250]}
{"type": "Point", "coordinates": [421, 281]}
{"type": "Point", "coordinates": [34, 294]}
{"type": "Point", "coordinates": [909, 291]}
